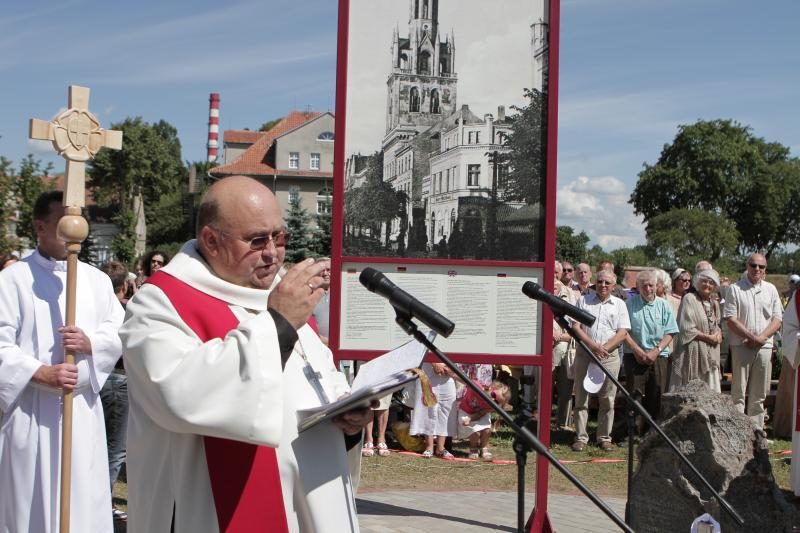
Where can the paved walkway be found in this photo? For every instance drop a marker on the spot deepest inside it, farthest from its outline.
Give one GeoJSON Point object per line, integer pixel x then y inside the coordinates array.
{"type": "Point", "coordinates": [447, 512]}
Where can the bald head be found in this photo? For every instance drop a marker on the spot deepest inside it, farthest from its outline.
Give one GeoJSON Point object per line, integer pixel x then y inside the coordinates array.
{"type": "Point", "coordinates": [235, 214]}
{"type": "Point", "coordinates": [224, 200]}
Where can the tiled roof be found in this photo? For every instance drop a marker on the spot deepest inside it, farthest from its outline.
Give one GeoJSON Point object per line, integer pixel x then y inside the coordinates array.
{"type": "Point", "coordinates": [242, 136]}
{"type": "Point", "coordinates": [253, 161]}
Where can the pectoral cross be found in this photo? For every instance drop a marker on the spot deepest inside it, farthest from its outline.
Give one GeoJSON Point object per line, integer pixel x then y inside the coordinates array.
{"type": "Point", "coordinates": [77, 136]}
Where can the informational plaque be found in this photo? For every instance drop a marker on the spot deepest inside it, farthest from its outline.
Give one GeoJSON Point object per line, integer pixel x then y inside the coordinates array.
{"type": "Point", "coordinates": [491, 314]}
{"type": "Point", "coordinates": [444, 173]}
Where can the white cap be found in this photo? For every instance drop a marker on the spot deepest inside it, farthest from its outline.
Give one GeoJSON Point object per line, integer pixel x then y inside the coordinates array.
{"type": "Point", "coordinates": [794, 279]}
{"type": "Point", "coordinates": [594, 378]}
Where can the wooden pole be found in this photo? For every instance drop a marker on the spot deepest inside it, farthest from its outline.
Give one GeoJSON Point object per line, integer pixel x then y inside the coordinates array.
{"type": "Point", "coordinates": [77, 136]}
{"type": "Point", "coordinates": [73, 230]}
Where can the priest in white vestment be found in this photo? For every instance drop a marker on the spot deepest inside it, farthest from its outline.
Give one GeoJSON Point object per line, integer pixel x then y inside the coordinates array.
{"type": "Point", "coordinates": [790, 335]}
{"type": "Point", "coordinates": [33, 376]}
{"type": "Point", "coordinates": [218, 353]}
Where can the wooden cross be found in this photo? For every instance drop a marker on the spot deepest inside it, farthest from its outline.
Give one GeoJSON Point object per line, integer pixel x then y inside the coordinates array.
{"type": "Point", "coordinates": [77, 136]}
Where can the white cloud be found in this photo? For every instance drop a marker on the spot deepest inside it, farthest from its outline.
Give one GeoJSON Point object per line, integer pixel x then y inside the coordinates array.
{"type": "Point", "coordinates": [599, 206]}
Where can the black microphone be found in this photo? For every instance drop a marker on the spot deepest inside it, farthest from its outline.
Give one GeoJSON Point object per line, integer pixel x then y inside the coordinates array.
{"type": "Point", "coordinates": [558, 306]}
{"type": "Point", "coordinates": [378, 283]}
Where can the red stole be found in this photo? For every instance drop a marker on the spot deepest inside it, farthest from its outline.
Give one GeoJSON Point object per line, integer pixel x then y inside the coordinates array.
{"type": "Point", "coordinates": [796, 372]}
{"type": "Point", "coordinates": [245, 480]}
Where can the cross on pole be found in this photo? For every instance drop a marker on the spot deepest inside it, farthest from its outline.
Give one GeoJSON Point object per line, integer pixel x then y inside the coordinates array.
{"type": "Point", "coordinates": [77, 136]}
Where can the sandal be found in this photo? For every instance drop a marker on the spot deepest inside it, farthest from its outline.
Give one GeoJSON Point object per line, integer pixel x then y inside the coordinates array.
{"type": "Point", "coordinates": [486, 454]}
{"type": "Point", "coordinates": [368, 450]}
{"type": "Point", "coordinates": [473, 454]}
{"type": "Point", "coordinates": [119, 514]}
{"type": "Point", "coordinates": [383, 450]}
{"type": "Point", "coordinates": [427, 454]}
{"type": "Point", "coordinates": [444, 454]}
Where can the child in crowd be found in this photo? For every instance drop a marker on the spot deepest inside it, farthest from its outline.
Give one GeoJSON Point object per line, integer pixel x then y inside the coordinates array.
{"type": "Point", "coordinates": [474, 416]}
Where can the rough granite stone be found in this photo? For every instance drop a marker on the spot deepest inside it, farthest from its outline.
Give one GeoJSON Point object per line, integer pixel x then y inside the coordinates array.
{"type": "Point", "coordinates": [726, 448]}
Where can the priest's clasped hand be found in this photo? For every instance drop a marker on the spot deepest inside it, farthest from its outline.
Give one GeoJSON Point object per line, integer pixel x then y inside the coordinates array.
{"type": "Point", "coordinates": [74, 340]}
{"type": "Point", "coordinates": [299, 291]}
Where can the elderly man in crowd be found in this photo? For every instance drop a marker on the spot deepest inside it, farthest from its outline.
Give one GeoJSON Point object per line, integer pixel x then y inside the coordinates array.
{"type": "Point", "coordinates": [220, 359]}
{"type": "Point", "coordinates": [753, 313]}
{"type": "Point", "coordinates": [562, 344]}
{"type": "Point", "coordinates": [652, 328]}
{"type": "Point", "coordinates": [703, 265]}
{"type": "Point", "coordinates": [584, 276]}
{"type": "Point", "coordinates": [568, 275]}
{"type": "Point", "coordinates": [603, 339]}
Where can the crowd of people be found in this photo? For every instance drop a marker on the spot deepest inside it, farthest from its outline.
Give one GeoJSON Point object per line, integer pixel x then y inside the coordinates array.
{"type": "Point", "coordinates": [223, 346]}
{"type": "Point", "coordinates": [661, 334]}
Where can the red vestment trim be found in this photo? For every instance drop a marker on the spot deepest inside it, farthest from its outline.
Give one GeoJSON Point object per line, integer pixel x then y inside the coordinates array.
{"type": "Point", "coordinates": [796, 374]}
{"type": "Point", "coordinates": [245, 479]}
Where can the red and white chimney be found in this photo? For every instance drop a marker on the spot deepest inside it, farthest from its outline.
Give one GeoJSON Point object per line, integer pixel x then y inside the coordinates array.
{"type": "Point", "coordinates": [213, 126]}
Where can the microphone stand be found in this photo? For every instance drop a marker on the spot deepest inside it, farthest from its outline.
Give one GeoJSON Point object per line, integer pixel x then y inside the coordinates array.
{"type": "Point", "coordinates": [634, 404]}
{"type": "Point", "coordinates": [404, 321]}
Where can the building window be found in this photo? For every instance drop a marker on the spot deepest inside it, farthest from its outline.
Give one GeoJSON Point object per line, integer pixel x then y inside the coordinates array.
{"type": "Point", "coordinates": [324, 202]}
{"type": "Point", "coordinates": [447, 174]}
{"type": "Point", "coordinates": [414, 100]}
{"type": "Point", "coordinates": [314, 161]}
{"type": "Point", "coordinates": [294, 194]}
{"type": "Point", "coordinates": [294, 159]}
{"type": "Point", "coordinates": [424, 63]}
{"type": "Point", "coordinates": [502, 176]}
{"type": "Point", "coordinates": [453, 176]}
{"type": "Point", "coordinates": [440, 182]}
{"type": "Point", "coordinates": [473, 175]}
{"type": "Point", "coordinates": [325, 136]}
{"type": "Point", "coordinates": [434, 101]}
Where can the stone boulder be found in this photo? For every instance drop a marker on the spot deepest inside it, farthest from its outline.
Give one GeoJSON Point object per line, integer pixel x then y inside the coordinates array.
{"type": "Point", "coordinates": [726, 448]}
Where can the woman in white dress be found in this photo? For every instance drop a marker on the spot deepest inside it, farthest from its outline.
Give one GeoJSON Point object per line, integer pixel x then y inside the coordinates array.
{"type": "Point", "coordinates": [434, 422]}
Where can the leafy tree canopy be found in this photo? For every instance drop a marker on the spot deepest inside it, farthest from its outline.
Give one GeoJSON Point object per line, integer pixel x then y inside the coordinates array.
{"type": "Point", "coordinates": [682, 237]}
{"type": "Point", "coordinates": [8, 243]}
{"type": "Point", "coordinates": [721, 167]}
{"type": "Point", "coordinates": [569, 245]}
{"type": "Point", "coordinates": [31, 182]}
{"type": "Point", "coordinates": [149, 163]}
{"type": "Point", "coordinates": [268, 125]}
{"type": "Point", "coordinates": [527, 142]}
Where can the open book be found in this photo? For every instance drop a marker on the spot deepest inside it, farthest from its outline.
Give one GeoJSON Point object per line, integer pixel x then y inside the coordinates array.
{"type": "Point", "coordinates": [380, 377]}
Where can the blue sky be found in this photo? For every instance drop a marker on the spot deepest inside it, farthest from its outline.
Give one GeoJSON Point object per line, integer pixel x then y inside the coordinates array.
{"type": "Point", "coordinates": [631, 71]}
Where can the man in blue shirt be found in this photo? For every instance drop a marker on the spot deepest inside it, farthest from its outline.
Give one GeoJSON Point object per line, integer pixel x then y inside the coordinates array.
{"type": "Point", "coordinates": [646, 358]}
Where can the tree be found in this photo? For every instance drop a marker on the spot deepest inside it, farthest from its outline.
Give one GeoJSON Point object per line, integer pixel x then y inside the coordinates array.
{"type": "Point", "coordinates": [721, 167]}
{"type": "Point", "coordinates": [8, 243]}
{"type": "Point", "coordinates": [527, 143]}
{"type": "Point", "coordinates": [150, 163]}
{"type": "Point", "coordinates": [376, 202]}
{"type": "Point", "coordinates": [570, 246]}
{"type": "Point", "coordinates": [684, 236]}
{"type": "Point", "coordinates": [298, 246]}
{"type": "Point", "coordinates": [268, 125]}
{"type": "Point", "coordinates": [31, 182]}
{"type": "Point", "coordinates": [321, 236]}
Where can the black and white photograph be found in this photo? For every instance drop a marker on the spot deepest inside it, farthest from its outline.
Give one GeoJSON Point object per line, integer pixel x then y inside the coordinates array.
{"type": "Point", "coordinates": [446, 129]}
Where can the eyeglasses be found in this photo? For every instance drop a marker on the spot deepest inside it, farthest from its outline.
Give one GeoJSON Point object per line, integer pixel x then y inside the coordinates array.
{"type": "Point", "coordinates": [685, 280]}
{"type": "Point", "coordinates": [567, 270]}
{"type": "Point", "coordinates": [756, 265]}
{"type": "Point", "coordinates": [260, 242]}
{"type": "Point", "coordinates": [604, 282]}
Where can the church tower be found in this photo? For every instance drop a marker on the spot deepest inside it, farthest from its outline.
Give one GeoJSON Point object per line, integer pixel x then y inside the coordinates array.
{"type": "Point", "coordinates": [422, 81]}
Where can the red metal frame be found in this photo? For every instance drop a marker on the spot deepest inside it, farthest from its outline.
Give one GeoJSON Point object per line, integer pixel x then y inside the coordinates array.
{"type": "Point", "coordinates": [539, 520]}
